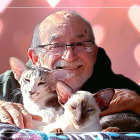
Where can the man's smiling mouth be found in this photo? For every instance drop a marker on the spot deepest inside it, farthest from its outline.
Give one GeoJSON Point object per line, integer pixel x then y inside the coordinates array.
{"type": "Point", "coordinates": [69, 68]}
{"type": "Point", "coordinates": [71, 71]}
{"type": "Point", "coordinates": [62, 64]}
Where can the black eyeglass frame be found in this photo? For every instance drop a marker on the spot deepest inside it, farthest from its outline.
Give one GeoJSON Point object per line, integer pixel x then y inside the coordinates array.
{"type": "Point", "coordinates": [66, 45]}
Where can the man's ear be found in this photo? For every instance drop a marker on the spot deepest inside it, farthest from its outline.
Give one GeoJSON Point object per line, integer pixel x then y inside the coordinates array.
{"type": "Point", "coordinates": [95, 53]}
{"type": "Point", "coordinates": [33, 56]}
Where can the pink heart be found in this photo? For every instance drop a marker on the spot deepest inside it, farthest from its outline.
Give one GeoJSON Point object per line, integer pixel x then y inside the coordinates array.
{"type": "Point", "coordinates": [99, 33]}
{"type": "Point", "coordinates": [137, 54]}
{"type": "Point", "coordinates": [53, 3]}
{"type": "Point", "coordinates": [4, 4]}
{"type": "Point", "coordinates": [134, 16]}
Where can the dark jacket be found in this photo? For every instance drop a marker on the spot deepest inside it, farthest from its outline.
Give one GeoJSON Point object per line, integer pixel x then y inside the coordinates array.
{"type": "Point", "coordinates": [102, 77]}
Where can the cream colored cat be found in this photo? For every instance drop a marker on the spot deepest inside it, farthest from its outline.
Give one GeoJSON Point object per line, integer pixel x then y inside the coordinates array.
{"type": "Point", "coordinates": [81, 114]}
{"type": "Point", "coordinates": [81, 111]}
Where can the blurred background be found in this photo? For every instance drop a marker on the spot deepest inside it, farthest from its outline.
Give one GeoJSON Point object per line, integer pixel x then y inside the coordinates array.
{"type": "Point", "coordinates": [116, 26]}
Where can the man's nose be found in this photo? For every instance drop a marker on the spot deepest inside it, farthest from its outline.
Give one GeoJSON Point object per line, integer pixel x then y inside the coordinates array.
{"type": "Point", "coordinates": [69, 54]}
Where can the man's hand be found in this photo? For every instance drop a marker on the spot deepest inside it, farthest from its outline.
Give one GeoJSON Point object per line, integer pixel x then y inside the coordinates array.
{"type": "Point", "coordinates": [123, 100]}
{"type": "Point", "coordinates": [14, 113]}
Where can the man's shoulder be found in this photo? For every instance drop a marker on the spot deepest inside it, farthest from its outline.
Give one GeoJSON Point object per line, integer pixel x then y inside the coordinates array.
{"type": "Point", "coordinates": [7, 85]}
{"type": "Point", "coordinates": [6, 75]}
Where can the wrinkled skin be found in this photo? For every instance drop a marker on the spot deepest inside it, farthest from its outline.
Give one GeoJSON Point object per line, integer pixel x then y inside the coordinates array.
{"type": "Point", "coordinates": [14, 113]}
{"type": "Point", "coordinates": [64, 29]}
{"type": "Point", "coordinates": [123, 100]}
{"type": "Point", "coordinates": [111, 101]}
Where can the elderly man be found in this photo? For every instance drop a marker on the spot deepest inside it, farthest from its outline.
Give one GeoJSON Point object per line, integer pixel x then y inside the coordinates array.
{"type": "Point", "coordinates": [64, 40]}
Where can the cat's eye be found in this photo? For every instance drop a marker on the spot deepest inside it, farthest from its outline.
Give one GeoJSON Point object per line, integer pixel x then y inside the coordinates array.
{"type": "Point", "coordinates": [90, 109]}
{"type": "Point", "coordinates": [41, 83]}
{"type": "Point", "coordinates": [73, 107]}
{"type": "Point", "coordinates": [27, 80]}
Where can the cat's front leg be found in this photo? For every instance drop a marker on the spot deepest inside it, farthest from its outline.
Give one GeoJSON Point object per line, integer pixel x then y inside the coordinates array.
{"type": "Point", "coordinates": [57, 131]}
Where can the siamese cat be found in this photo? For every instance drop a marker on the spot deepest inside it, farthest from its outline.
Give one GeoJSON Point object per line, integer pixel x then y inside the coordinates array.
{"type": "Point", "coordinates": [82, 109]}
{"type": "Point", "coordinates": [81, 112]}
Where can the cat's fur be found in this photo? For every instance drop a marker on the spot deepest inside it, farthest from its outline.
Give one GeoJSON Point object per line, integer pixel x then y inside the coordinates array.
{"type": "Point", "coordinates": [123, 122]}
{"type": "Point", "coordinates": [81, 114]}
{"type": "Point", "coordinates": [126, 121]}
{"type": "Point", "coordinates": [37, 87]}
{"type": "Point", "coordinates": [81, 111]}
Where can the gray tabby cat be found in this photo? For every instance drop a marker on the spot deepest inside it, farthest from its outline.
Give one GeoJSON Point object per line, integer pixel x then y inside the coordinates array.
{"type": "Point", "coordinates": [38, 90]}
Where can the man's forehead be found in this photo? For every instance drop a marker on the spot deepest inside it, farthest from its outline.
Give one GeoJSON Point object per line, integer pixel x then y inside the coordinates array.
{"type": "Point", "coordinates": [54, 37]}
{"type": "Point", "coordinates": [54, 26]}
{"type": "Point", "coordinates": [57, 31]}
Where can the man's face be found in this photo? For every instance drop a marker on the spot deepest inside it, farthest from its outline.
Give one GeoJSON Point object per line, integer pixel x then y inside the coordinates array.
{"type": "Point", "coordinates": [77, 65]}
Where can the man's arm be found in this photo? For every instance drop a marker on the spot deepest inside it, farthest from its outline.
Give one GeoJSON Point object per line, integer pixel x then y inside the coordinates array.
{"type": "Point", "coordinates": [11, 112]}
{"type": "Point", "coordinates": [123, 100]}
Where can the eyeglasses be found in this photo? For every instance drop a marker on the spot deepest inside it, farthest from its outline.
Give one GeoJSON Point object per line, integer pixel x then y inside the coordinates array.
{"type": "Point", "coordinates": [58, 49]}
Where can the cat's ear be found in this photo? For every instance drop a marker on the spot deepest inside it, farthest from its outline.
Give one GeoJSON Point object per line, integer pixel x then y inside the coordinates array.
{"type": "Point", "coordinates": [17, 67]}
{"type": "Point", "coordinates": [64, 91]}
{"type": "Point", "coordinates": [104, 97]}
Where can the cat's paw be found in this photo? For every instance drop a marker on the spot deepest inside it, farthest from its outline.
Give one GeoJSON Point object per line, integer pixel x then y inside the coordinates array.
{"type": "Point", "coordinates": [111, 129]}
{"type": "Point", "coordinates": [57, 131]}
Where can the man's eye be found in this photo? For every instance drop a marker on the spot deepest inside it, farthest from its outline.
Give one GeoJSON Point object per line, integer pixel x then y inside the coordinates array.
{"type": "Point", "coordinates": [41, 83]}
{"type": "Point", "coordinates": [57, 45]}
{"type": "Point", "coordinates": [79, 44]}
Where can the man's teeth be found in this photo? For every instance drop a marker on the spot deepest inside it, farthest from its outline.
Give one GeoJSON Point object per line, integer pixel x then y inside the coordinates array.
{"type": "Point", "coordinates": [68, 68]}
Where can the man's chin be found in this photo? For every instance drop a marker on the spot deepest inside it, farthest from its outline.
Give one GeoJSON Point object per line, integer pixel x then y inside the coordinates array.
{"type": "Point", "coordinates": [75, 82]}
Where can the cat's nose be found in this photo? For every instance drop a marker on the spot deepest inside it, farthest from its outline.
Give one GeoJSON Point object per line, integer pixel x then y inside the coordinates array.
{"type": "Point", "coordinates": [31, 92]}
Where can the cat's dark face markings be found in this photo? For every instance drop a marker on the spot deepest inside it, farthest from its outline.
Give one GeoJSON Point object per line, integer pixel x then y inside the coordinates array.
{"type": "Point", "coordinates": [53, 101]}
{"type": "Point", "coordinates": [82, 111]}
{"type": "Point", "coordinates": [81, 108]}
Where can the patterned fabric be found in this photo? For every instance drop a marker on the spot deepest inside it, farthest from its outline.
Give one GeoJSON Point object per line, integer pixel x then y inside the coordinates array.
{"type": "Point", "coordinates": [11, 132]}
